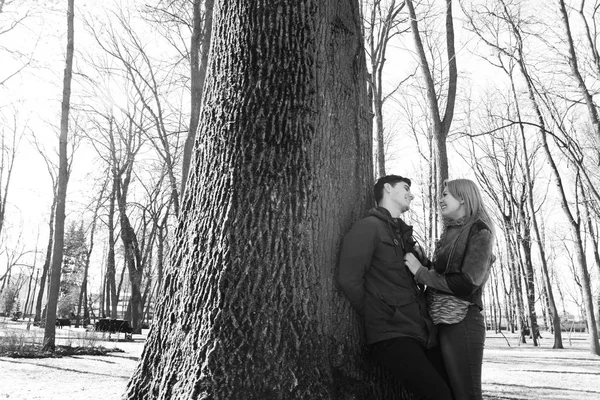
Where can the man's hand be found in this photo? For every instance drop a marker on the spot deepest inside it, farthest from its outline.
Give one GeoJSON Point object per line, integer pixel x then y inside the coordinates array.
{"type": "Point", "coordinates": [412, 263]}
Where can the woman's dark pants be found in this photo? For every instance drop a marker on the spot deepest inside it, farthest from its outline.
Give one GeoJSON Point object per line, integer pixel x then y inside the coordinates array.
{"type": "Point", "coordinates": [418, 369]}
{"type": "Point", "coordinates": [462, 350]}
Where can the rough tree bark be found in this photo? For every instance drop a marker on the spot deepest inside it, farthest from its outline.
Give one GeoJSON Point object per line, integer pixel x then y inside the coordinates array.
{"type": "Point", "coordinates": [249, 308]}
{"type": "Point", "coordinates": [63, 176]}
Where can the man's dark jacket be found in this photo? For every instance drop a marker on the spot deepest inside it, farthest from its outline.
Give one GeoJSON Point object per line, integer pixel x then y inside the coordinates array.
{"type": "Point", "coordinates": [375, 279]}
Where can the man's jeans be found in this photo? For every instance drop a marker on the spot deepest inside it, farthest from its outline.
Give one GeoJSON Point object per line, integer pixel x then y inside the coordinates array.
{"type": "Point", "coordinates": [418, 369]}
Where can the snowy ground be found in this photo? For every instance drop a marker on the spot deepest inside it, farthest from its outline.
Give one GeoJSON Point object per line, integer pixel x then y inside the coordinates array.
{"type": "Point", "coordinates": [511, 371]}
{"type": "Point", "coordinates": [527, 372]}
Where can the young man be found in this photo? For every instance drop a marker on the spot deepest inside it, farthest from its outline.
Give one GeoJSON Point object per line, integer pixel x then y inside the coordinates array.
{"type": "Point", "coordinates": [375, 279]}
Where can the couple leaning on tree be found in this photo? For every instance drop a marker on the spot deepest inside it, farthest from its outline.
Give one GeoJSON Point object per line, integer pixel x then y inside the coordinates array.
{"type": "Point", "coordinates": [430, 339]}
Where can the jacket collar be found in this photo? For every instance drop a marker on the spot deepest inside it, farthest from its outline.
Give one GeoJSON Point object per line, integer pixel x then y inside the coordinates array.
{"type": "Point", "coordinates": [383, 214]}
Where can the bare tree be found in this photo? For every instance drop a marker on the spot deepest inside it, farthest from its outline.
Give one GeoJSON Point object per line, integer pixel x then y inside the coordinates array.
{"type": "Point", "coordinates": [441, 122]}
{"type": "Point", "coordinates": [172, 17]}
{"type": "Point", "coordinates": [489, 27]}
{"type": "Point", "coordinates": [50, 329]}
{"type": "Point", "coordinates": [11, 21]}
{"type": "Point", "coordinates": [10, 134]}
{"type": "Point", "coordinates": [13, 256]}
{"type": "Point", "coordinates": [573, 61]}
{"type": "Point", "coordinates": [199, 46]}
{"type": "Point", "coordinates": [83, 293]}
{"type": "Point", "coordinates": [381, 24]}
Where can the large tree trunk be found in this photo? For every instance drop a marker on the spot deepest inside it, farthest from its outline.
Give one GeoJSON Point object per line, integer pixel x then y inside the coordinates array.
{"type": "Point", "coordinates": [63, 176]}
{"type": "Point", "coordinates": [249, 307]}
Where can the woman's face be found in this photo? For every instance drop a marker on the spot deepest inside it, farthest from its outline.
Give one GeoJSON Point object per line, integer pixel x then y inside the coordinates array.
{"type": "Point", "coordinates": [451, 207]}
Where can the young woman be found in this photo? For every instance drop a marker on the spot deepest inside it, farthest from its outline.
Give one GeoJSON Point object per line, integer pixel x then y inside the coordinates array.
{"type": "Point", "coordinates": [461, 266]}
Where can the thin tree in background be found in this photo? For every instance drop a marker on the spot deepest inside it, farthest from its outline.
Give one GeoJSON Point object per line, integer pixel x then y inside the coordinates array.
{"type": "Point", "coordinates": [441, 122]}
{"type": "Point", "coordinates": [7, 25]}
{"type": "Point", "coordinates": [381, 22]}
{"type": "Point", "coordinates": [30, 293]}
{"type": "Point", "coordinates": [174, 19]}
{"type": "Point", "coordinates": [574, 62]}
{"type": "Point", "coordinates": [199, 46]}
{"type": "Point", "coordinates": [111, 298]}
{"type": "Point", "coordinates": [573, 222]}
{"type": "Point", "coordinates": [9, 145]}
{"type": "Point", "coordinates": [50, 328]}
{"type": "Point", "coordinates": [496, 165]}
{"type": "Point", "coordinates": [48, 258]}
{"type": "Point", "coordinates": [150, 86]}
{"type": "Point", "coordinates": [83, 293]}
{"type": "Point", "coordinates": [484, 24]}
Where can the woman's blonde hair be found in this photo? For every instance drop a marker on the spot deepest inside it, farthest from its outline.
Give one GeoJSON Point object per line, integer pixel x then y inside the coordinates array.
{"type": "Point", "coordinates": [467, 191]}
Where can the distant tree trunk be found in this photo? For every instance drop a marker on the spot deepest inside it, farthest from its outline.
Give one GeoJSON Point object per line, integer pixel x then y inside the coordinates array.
{"type": "Point", "coordinates": [553, 310]}
{"type": "Point", "coordinates": [111, 296]}
{"type": "Point", "coordinates": [84, 283]}
{"type": "Point", "coordinates": [515, 277]}
{"type": "Point", "coordinates": [29, 290]}
{"type": "Point", "coordinates": [555, 318]}
{"type": "Point", "coordinates": [147, 293]}
{"type": "Point", "coordinates": [29, 309]}
{"type": "Point", "coordinates": [200, 42]}
{"type": "Point", "coordinates": [527, 263]}
{"type": "Point", "coordinates": [250, 290]}
{"type": "Point", "coordinates": [133, 261]}
{"type": "Point", "coordinates": [573, 224]}
{"type": "Point", "coordinates": [63, 176]}
{"type": "Point", "coordinates": [47, 261]}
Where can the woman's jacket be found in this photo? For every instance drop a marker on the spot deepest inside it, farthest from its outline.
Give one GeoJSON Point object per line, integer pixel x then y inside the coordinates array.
{"type": "Point", "coordinates": [463, 260]}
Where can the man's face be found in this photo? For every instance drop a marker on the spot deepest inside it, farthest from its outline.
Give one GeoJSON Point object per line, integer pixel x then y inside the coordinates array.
{"type": "Point", "coordinates": [401, 195]}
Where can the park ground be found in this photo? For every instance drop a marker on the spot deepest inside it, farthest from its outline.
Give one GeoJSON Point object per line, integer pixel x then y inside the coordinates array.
{"type": "Point", "coordinates": [511, 370]}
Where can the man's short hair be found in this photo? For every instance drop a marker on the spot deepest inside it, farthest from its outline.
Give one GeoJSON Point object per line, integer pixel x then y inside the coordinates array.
{"type": "Point", "coordinates": [392, 180]}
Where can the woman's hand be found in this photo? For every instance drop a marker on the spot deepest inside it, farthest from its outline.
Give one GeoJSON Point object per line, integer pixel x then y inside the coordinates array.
{"type": "Point", "coordinates": [412, 263]}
